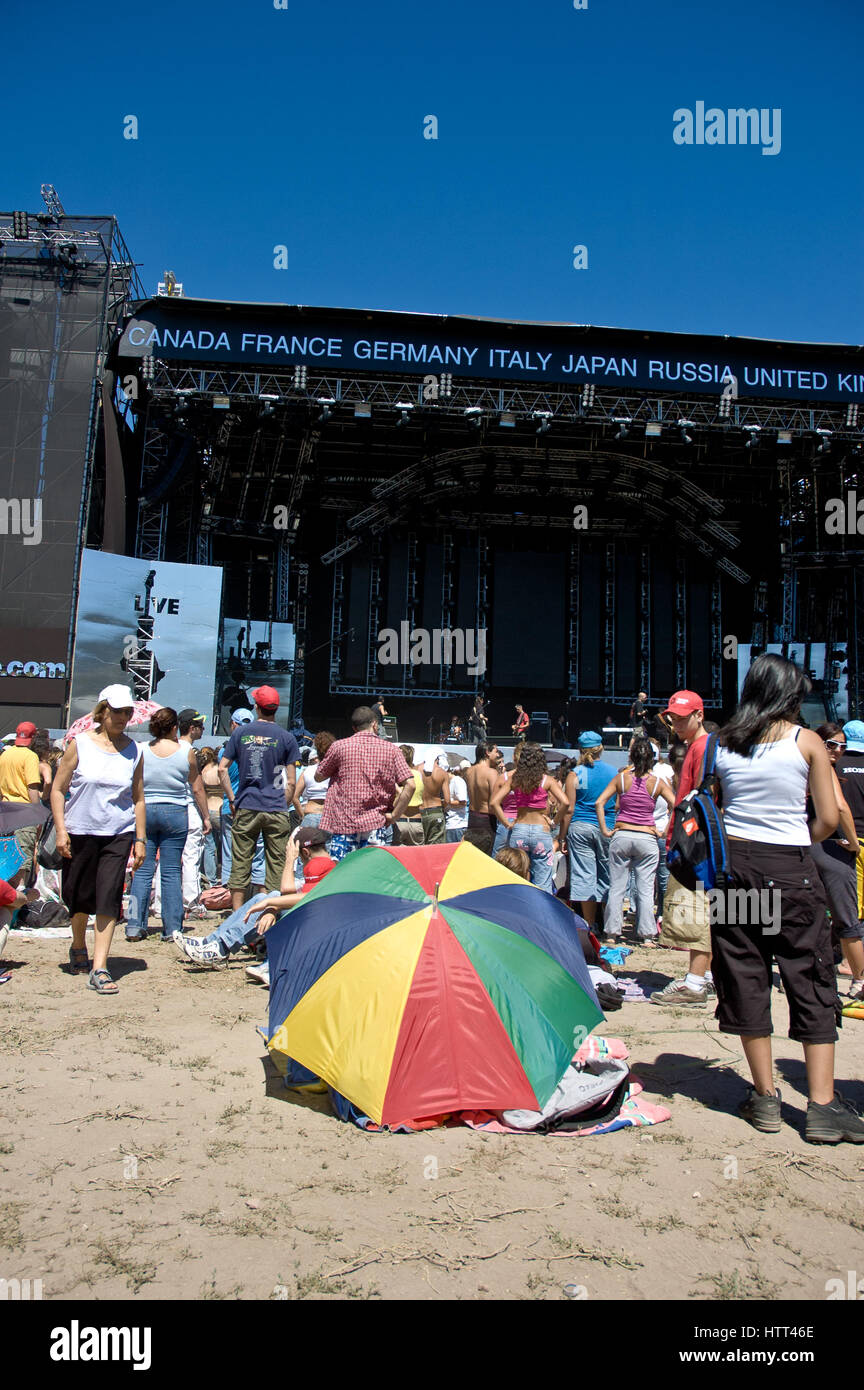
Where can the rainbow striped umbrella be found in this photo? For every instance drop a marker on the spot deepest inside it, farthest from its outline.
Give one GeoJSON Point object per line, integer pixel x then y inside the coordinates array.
{"type": "Point", "coordinates": [422, 981]}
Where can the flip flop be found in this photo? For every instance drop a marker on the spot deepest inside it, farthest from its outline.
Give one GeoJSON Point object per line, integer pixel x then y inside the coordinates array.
{"type": "Point", "coordinates": [101, 981]}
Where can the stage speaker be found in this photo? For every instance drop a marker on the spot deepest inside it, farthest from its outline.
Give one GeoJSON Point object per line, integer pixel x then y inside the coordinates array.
{"type": "Point", "coordinates": [540, 728]}
{"type": "Point", "coordinates": [390, 730]}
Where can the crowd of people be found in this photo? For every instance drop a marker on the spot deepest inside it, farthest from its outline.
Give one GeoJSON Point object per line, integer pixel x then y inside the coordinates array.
{"type": "Point", "coordinates": [265, 823]}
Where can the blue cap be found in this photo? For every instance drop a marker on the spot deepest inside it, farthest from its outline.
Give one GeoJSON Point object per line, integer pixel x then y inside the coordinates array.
{"type": "Point", "coordinates": [854, 732]}
{"type": "Point", "coordinates": [589, 740]}
{"type": "Point", "coordinates": [243, 716]}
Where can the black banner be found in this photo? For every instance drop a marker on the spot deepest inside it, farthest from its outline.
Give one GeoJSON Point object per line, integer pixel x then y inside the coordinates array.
{"type": "Point", "coordinates": [276, 336]}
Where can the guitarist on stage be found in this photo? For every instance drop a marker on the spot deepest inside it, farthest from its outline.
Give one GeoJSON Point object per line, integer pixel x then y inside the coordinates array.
{"type": "Point", "coordinates": [520, 728]}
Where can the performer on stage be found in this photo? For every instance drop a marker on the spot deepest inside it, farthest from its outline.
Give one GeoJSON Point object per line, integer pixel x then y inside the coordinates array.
{"type": "Point", "coordinates": [520, 728]}
{"type": "Point", "coordinates": [379, 712]}
{"type": "Point", "coordinates": [477, 721]}
{"type": "Point", "coordinates": [638, 713]}
{"type": "Point", "coordinates": [455, 732]}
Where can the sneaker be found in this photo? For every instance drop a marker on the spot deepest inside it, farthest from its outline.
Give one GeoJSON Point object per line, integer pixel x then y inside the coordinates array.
{"type": "Point", "coordinates": [201, 951]}
{"type": "Point", "coordinates": [196, 913]}
{"type": "Point", "coordinates": [831, 1124]}
{"type": "Point", "coordinates": [710, 989]}
{"type": "Point", "coordinates": [679, 995]}
{"type": "Point", "coordinates": [762, 1112]}
{"type": "Point", "coordinates": [259, 973]}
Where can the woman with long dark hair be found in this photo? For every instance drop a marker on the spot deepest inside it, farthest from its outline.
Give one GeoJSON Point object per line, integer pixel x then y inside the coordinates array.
{"type": "Point", "coordinates": [766, 765]}
{"type": "Point", "coordinates": [634, 846]}
{"type": "Point", "coordinates": [529, 790]}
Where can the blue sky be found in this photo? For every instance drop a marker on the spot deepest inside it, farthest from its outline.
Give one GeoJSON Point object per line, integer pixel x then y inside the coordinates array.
{"type": "Point", "coordinates": [303, 127]}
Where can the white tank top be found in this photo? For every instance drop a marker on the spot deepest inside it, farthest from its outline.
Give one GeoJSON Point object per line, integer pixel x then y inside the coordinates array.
{"type": "Point", "coordinates": [765, 796]}
{"type": "Point", "coordinates": [100, 794]}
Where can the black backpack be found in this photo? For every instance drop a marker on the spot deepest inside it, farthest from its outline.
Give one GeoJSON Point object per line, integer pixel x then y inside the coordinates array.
{"type": "Point", "coordinates": [698, 853]}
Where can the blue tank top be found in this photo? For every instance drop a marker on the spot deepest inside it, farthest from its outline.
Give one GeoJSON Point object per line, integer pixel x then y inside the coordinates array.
{"type": "Point", "coordinates": [166, 779]}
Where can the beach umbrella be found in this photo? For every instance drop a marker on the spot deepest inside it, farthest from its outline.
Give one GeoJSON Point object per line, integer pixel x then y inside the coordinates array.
{"type": "Point", "coordinates": [422, 981]}
{"type": "Point", "coordinates": [14, 815]}
{"type": "Point", "coordinates": [11, 857]}
{"type": "Point", "coordinates": [142, 712]}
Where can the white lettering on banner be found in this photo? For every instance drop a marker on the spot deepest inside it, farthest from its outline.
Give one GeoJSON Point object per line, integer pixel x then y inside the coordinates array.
{"type": "Point", "coordinates": [47, 670]}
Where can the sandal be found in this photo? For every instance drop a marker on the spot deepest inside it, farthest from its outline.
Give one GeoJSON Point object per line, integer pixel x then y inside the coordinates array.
{"type": "Point", "coordinates": [79, 960]}
{"type": "Point", "coordinates": [101, 981]}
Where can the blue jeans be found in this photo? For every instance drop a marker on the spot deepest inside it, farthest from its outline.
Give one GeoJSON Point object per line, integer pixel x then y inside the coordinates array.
{"type": "Point", "coordinates": [166, 832]}
{"type": "Point", "coordinates": [454, 836]}
{"type": "Point", "coordinates": [636, 851]}
{"type": "Point", "coordinates": [209, 862]}
{"type": "Point", "coordinates": [258, 867]}
{"type": "Point", "coordinates": [537, 844]}
{"type": "Point", "coordinates": [233, 932]}
{"type": "Point", "coordinates": [588, 849]}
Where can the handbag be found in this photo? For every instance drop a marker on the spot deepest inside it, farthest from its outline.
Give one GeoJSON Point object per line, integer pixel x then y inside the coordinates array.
{"type": "Point", "coordinates": [48, 854]}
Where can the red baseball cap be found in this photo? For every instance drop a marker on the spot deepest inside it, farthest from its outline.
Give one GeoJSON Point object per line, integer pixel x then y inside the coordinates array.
{"type": "Point", "coordinates": [266, 697]}
{"type": "Point", "coordinates": [684, 702]}
{"type": "Point", "coordinates": [24, 734]}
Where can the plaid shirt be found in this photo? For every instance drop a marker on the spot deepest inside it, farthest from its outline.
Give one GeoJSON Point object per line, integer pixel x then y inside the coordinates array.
{"type": "Point", "coordinates": [364, 773]}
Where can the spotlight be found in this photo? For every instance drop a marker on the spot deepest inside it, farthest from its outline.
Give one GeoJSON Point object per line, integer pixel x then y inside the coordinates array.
{"type": "Point", "coordinates": [300, 378]}
{"type": "Point", "coordinates": [544, 420]}
{"type": "Point", "coordinates": [623, 422]}
{"type": "Point", "coordinates": [588, 393]}
{"type": "Point", "coordinates": [752, 436]}
{"type": "Point", "coordinates": [404, 408]}
{"type": "Point", "coordinates": [267, 411]}
{"type": "Point", "coordinates": [20, 226]}
{"type": "Point", "coordinates": [148, 368]}
{"type": "Point", "coordinates": [851, 410]}
{"type": "Point", "coordinates": [724, 409]}
{"type": "Point", "coordinates": [326, 413]}
{"type": "Point", "coordinates": [653, 429]}
{"type": "Point", "coordinates": [473, 416]}
{"type": "Point", "coordinates": [686, 438]}
{"type": "Point", "coordinates": [825, 444]}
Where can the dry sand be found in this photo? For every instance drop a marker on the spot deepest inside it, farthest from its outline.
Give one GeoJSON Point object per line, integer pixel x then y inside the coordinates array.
{"type": "Point", "coordinates": [149, 1151]}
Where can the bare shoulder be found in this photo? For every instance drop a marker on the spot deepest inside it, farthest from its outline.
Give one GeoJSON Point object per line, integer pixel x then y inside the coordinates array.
{"type": "Point", "coordinates": [811, 744]}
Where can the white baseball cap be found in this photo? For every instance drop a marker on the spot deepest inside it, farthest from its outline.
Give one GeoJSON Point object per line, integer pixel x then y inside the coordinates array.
{"type": "Point", "coordinates": [118, 696]}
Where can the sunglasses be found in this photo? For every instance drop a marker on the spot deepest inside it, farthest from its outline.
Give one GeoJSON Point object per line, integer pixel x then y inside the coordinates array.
{"type": "Point", "coordinates": [832, 743]}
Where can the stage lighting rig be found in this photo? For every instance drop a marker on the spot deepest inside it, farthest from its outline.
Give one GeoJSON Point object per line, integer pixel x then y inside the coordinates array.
{"type": "Point", "coordinates": [326, 413]}
{"type": "Point", "coordinates": [623, 422]}
{"type": "Point", "coordinates": [473, 416]}
{"type": "Point", "coordinates": [52, 202]}
{"type": "Point", "coordinates": [686, 438]}
{"type": "Point", "coordinates": [20, 226]}
{"type": "Point", "coordinates": [752, 432]}
{"type": "Point", "coordinates": [824, 446]}
{"type": "Point", "coordinates": [404, 408]}
{"type": "Point", "coordinates": [544, 420]}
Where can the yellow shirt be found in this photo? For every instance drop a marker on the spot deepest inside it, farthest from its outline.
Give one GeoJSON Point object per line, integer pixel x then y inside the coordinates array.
{"type": "Point", "coordinates": [417, 798]}
{"type": "Point", "coordinates": [19, 769]}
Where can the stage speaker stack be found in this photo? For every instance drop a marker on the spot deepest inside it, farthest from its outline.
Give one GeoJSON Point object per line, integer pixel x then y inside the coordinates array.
{"type": "Point", "coordinates": [391, 732]}
{"type": "Point", "coordinates": [540, 728]}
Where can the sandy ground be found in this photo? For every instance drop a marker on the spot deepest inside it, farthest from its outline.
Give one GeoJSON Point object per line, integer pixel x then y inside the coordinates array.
{"type": "Point", "coordinates": [149, 1151]}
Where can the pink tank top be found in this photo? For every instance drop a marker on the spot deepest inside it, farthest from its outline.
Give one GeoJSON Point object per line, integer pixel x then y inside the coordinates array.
{"type": "Point", "coordinates": [636, 806]}
{"type": "Point", "coordinates": [530, 801]}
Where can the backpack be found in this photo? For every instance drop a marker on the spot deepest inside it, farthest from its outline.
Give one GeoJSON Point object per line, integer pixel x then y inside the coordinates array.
{"type": "Point", "coordinates": [43, 914]}
{"type": "Point", "coordinates": [48, 854]}
{"type": "Point", "coordinates": [698, 852]}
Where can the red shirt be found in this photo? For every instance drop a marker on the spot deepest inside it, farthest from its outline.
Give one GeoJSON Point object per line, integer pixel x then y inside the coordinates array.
{"type": "Point", "coordinates": [690, 775]}
{"type": "Point", "coordinates": [7, 894]}
{"type": "Point", "coordinates": [522, 722]}
{"type": "Point", "coordinates": [364, 772]}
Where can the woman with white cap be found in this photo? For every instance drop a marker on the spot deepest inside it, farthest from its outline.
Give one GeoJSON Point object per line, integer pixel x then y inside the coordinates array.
{"type": "Point", "coordinates": [102, 820]}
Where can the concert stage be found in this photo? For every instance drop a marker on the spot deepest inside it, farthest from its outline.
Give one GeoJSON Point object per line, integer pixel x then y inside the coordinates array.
{"type": "Point", "coordinates": [614, 510]}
